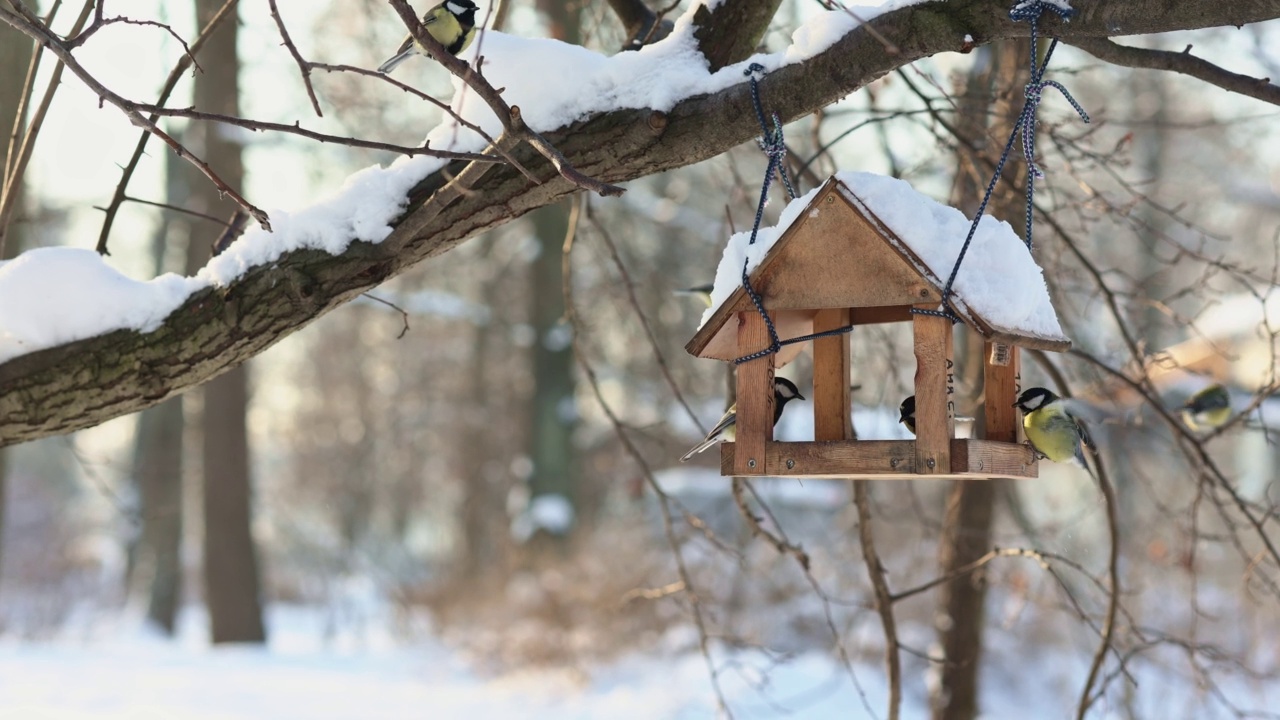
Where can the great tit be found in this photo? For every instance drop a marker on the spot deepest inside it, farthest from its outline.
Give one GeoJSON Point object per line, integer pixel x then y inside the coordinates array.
{"type": "Point", "coordinates": [907, 413]}
{"type": "Point", "coordinates": [452, 23]}
{"type": "Point", "coordinates": [784, 391]}
{"type": "Point", "coordinates": [701, 291]}
{"type": "Point", "coordinates": [1054, 432]}
{"type": "Point", "coordinates": [1207, 409]}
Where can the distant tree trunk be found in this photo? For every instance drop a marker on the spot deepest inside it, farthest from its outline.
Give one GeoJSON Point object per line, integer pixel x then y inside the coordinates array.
{"type": "Point", "coordinates": [15, 57]}
{"type": "Point", "coordinates": [231, 581]}
{"type": "Point", "coordinates": [552, 417]}
{"type": "Point", "coordinates": [157, 468]}
{"type": "Point", "coordinates": [155, 557]}
{"type": "Point", "coordinates": [966, 526]}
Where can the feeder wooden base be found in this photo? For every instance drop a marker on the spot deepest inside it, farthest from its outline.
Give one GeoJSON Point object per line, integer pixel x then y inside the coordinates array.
{"type": "Point", "coordinates": [885, 460]}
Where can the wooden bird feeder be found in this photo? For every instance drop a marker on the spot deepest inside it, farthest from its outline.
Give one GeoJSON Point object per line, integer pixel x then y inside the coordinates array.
{"type": "Point", "coordinates": [838, 265]}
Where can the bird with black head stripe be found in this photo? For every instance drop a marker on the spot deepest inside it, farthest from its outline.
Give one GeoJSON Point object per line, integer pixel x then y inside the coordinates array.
{"type": "Point", "coordinates": [452, 23]}
{"type": "Point", "coordinates": [1053, 430]}
{"type": "Point", "coordinates": [784, 391]}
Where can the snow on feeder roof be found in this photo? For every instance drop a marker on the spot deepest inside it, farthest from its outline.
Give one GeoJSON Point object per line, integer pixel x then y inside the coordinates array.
{"type": "Point", "coordinates": [875, 245]}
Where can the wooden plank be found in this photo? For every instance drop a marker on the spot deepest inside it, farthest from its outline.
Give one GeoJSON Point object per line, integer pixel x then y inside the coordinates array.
{"type": "Point", "coordinates": [755, 396]}
{"type": "Point", "coordinates": [877, 315]}
{"type": "Point", "coordinates": [1001, 383]}
{"type": "Point", "coordinates": [889, 460]}
{"type": "Point", "coordinates": [789, 324]}
{"type": "Point", "coordinates": [990, 459]}
{"type": "Point", "coordinates": [841, 458]}
{"type": "Point", "coordinates": [832, 412]}
{"type": "Point", "coordinates": [935, 415]}
{"type": "Point", "coordinates": [834, 258]}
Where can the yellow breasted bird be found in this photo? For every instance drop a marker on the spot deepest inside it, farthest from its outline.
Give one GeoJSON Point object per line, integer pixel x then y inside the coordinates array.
{"type": "Point", "coordinates": [452, 23]}
{"type": "Point", "coordinates": [784, 391]}
{"type": "Point", "coordinates": [1207, 409]}
{"type": "Point", "coordinates": [1053, 430]}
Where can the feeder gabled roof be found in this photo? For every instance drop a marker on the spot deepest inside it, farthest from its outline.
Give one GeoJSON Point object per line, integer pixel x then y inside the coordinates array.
{"type": "Point", "coordinates": [873, 244]}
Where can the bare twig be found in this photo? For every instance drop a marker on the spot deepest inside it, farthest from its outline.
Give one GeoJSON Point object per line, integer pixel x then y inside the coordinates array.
{"type": "Point", "coordinates": [509, 116]}
{"type": "Point", "coordinates": [303, 67]}
{"type": "Point", "coordinates": [48, 39]}
{"type": "Point", "coordinates": [118, 197]}
{"type": "Point", "coordinates": [1180, 62]}
{"type": "Point", "coordinates": [231, 233]}
{"type": "Point", "coordinates": [884, 598]}
{"type": "Point", "coordinates": [9, 198]}
{"type": "Point", "coordinates": [664, 502]}
{"type": "Point", "coordinates": [403, 315]}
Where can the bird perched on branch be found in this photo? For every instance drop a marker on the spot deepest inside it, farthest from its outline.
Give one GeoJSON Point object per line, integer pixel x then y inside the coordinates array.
{"type": "Point", "coordinates": [784, 391]}
{"type": "Point", "coordinates": [452, 23]}
{"type": "Point", "coordinates": [1207, 409]}
{"type": "Point", "coordinates": [1053, 430]}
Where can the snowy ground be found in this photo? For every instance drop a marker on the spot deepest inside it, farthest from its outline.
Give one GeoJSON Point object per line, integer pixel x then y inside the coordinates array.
{"type": "Point", "coordinates": [122, 673]}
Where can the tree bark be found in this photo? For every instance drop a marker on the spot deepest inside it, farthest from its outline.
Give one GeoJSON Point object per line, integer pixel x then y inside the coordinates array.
{"type": "Point", "coordinates": [231, 588]}
{"type": "Point", "coordinates": [84, 383]}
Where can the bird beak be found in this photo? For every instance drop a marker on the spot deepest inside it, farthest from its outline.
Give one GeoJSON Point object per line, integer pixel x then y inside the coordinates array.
{"type": "Point", "coordinates": [798, 395]}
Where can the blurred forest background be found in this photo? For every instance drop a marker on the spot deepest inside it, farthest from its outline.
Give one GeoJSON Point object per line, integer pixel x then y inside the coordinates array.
{"type": "Point", "coordinates": [498, 469]}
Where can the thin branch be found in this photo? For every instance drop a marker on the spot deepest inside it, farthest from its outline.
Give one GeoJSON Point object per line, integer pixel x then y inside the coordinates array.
{"type": "Point", "coordinates": [184, 62]}
{"type": "Point", "coordinates": [403, 315]}
{"type": "Point", "coordinates": [28, 88]}
{"type": "Point", "coordinates": [509, 116]}
{"type": "Point", "coordinates": [1180, 62]}
{"type": "Point", "coordinates": [664, 502]}
{"type": "Point", "coordinates": [884, 598]}
{"type": "Point", "coordinates": [303, 67]}
{"type": "Point", "coordinates": [48, 39]}
{"type": "Point", "coordinates": [174, 208]}
{"type": "Point", "coordinates": [9, 198]}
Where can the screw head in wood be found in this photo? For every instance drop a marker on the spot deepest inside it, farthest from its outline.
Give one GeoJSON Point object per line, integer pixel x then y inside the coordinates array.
{"type": "Point", "coordinates": [751, 463]}
{"type": "Point", "coordinates": [931, 463]}
{"type": "Point", "coordinates": [791, 464]}
{"type": "Point", "coordinates": [924, 292]}
{"type": "Point", "coordinates": [893, 462]}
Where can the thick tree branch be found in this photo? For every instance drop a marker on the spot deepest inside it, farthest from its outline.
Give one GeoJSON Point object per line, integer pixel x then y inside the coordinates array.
{"type": "Point", "coordinates": [84, 383]}
{"type": "Point", "coordinates": [1180, 62]}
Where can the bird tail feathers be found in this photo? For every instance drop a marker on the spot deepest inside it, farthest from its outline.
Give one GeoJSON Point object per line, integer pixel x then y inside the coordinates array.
{"type": "Point", "coordinates": [701, 446]}
{"type": "Point", "coordinates": [395, 60]}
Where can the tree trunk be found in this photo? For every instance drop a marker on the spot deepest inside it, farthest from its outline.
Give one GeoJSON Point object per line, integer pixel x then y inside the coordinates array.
{"type": "Point", "coordinates": [15, 57]}
{"type": "Point", "coordinates": [231, 580]}
{"type": "Point", "coordinates": [966, 528]}
{"type": "Point", "coordinates": [157, 468]}
{"type": "Point", "coordinates": [551, 415]}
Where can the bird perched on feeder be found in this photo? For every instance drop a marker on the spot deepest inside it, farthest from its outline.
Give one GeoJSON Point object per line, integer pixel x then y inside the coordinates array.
{"type": "Point", "coordinates": [703, 292]}
{"type": "Point", "coordinates": [1207, 409]}
{"type": "Point", "coordinates": [907, 413]}
{"type": "Point", "coordinates": [452, 23]}
{"type": "Point", "coordinates": [1053, 430]}
{"type": "Point", "coordinates": [784, 391]}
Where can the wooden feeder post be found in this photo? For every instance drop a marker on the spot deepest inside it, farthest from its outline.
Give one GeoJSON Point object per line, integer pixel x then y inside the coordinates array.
{"type": "Point", "coordinates": [935, 422]}
{"type": "Point", "coordinates": [1002, 376]}
{"type": "Point", "coordinates": [832, 407]}
{"type": "Point", "coordinates": [755, 396]}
